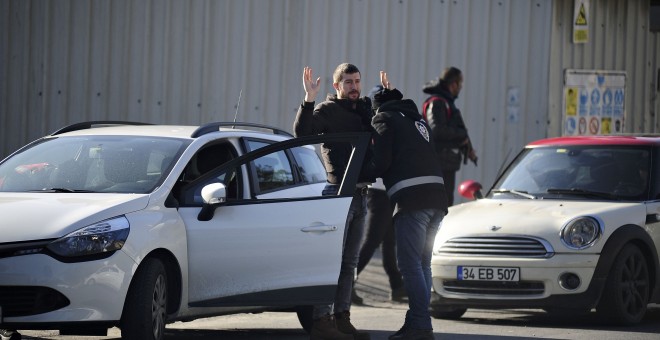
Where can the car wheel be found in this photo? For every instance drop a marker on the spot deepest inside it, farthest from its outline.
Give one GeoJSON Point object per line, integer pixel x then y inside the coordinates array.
{"type": "Point", "coordinates": [448, 313]}
{"type": "Point", "coordinates": [306, 317]}
{"type": "Point", "coordinates": [626, 293]}
{"type": "Point", "coordinates": [145, 309]}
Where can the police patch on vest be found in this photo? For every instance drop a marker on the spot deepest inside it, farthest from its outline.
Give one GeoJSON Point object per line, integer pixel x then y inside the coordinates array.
{"type": "Point", "coordinates": [422, 129]}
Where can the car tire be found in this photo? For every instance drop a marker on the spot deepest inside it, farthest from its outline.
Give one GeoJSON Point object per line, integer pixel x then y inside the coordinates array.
{"type": "Point", "coordinates": [626, 295]}
{"type": "Point", "coordinates": [306, 317]}
{"type": "Point", "coordinates": [145, 309]}
{"type": "Point", "coordinates": [447, 313]}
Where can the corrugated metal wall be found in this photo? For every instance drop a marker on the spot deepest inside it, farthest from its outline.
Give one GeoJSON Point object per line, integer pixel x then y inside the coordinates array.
{"type": "Point", "coordinates": [187, 62]}
{"type": "Point", "coordinates": [619, 39]}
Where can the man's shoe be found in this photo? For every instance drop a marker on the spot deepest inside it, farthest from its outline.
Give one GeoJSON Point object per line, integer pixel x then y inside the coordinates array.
{"type": "Point", "coordinates": [406, 333]}
{"type": "Point", "coordinates": [344, 325]}
{"type": "Point", "coordinates": [7, 334]}
{"type": "Point", "coordinates": [325, 328]}
{"type": "Point", "coordinates": [356, 299]}
{"type": "Point", "coordinates": [399, 332]}
{"type": "Point", "coordinates": [399, 295]}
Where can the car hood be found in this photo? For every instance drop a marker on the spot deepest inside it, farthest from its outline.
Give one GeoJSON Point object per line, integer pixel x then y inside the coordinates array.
{"type": "Point", "coordinates": [36, 216]}
{"type": "Point", "coordinates": [536, 218]}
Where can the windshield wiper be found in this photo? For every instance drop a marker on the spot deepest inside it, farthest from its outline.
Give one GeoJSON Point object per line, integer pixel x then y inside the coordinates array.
{"type": "Point", "coordinates": [61, 190]}
{"type": "Point", "coordinates": [515, 192]}
{"type": "Point", "coordinates": [580, 192]}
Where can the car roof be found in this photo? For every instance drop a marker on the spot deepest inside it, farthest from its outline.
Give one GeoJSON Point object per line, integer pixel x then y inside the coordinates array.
{"type": "Point", "coordinates": [176, 131]}
{"type": "Point", "coordinates": [598, 140]}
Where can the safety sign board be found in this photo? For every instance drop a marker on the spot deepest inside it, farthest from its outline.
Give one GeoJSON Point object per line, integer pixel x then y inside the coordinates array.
{"type": "Point", "coordinates": [593, 102]}
{"type": "Point", "coordinates": [581, 22]}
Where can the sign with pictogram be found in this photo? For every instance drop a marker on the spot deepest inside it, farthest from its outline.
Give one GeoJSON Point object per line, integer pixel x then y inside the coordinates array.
{"type": "Point", "coordinates": [581, 22]}
{"type": "Point", "coordinates": [593, 102]}
{"type": "Point", "coordinates": [582, 126]}
{"type": "Point", "coordinates": [581, 19]}
{"type": "Point", "coordinates": [594, 126]}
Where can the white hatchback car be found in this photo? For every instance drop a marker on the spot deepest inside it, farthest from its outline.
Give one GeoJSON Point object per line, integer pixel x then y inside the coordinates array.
{"type": "Point", "coordinates": [571, 224]}
{"type": "Point", "coordinates": [133, 225]}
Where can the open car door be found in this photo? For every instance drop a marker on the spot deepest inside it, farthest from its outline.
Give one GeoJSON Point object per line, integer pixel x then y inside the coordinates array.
{"type": "Point", "coordinates": [283, 251]}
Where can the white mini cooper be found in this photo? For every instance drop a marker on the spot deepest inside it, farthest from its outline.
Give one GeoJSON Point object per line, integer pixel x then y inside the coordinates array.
{"type": "Point", "coordinates": [116, 224]}
{"type": "Point", "coordinates": [571, 224]}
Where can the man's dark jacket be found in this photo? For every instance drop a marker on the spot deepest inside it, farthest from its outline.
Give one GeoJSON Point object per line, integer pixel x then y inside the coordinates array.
{"type": "Point", "coordinates": [335, 116]}
{"type": "Point", "coordinates": [444, 118]}
{"type": "Point", "coordinates": [404, 155]}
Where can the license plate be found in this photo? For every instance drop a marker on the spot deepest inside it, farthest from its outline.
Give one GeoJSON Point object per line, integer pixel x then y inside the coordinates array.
{"type": "Point", "coordinates": [508, 274]}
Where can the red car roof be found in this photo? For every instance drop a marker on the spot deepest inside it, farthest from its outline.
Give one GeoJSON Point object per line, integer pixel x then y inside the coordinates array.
{"type": "Point", "coordinates": [600, 140]}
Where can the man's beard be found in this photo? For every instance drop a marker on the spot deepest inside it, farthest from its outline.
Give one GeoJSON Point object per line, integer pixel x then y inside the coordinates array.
{"type": "Point", "coordinates": [354, 92]}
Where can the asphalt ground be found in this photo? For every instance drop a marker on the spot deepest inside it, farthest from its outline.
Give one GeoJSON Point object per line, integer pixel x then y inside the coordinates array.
{"type": "Point", "coordinates": [381, 317]}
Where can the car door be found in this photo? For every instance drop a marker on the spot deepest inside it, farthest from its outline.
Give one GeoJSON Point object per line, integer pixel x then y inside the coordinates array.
{"type": "Point", "coordinates": [272, 251]}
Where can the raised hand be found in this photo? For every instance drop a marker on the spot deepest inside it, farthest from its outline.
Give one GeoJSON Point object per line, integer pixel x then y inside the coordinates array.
{"type": "Point", "coordinates": [311, 87]}
{"type": "Point", "coordinates": [384, 81]}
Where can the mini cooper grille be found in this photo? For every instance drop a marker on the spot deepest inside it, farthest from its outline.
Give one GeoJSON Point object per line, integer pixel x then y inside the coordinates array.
{"type": "Point", "coordinates": [25, 300]}
{"type": "Point", "coordinates": [494, 288]}
{"type": "Point", "coordinates": [496, 246]}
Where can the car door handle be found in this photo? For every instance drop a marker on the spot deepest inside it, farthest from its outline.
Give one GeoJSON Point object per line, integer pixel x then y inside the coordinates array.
{"type": "Point", "coordinates": [319, 228]}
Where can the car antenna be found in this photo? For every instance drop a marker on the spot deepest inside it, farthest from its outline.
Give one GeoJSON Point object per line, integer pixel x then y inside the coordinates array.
{"type": "Point", "coordinates": [237, 106]}
{"type": "Point", "coordinates": [504, 162]}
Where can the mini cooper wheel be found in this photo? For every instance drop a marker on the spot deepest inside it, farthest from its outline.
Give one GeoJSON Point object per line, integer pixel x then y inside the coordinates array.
{"type": "Point", "coordinates": [626, 295]}
{"type": "Point", "coordinates": [145, 309]}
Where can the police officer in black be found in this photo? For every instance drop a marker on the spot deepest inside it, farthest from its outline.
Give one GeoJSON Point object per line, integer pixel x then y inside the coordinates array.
{"type": "Point", "coordinates": [404, 156]}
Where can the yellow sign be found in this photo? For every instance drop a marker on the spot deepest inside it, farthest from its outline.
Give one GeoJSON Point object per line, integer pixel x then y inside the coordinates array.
{"type": "Point", "coordinates": [606, 126]}
{"type": "Point", "coordinates": [571, 101]}
{"type": "Point", "coordinates": [581, 22]}
{"type": "Point", "coordinates": [581, 17]}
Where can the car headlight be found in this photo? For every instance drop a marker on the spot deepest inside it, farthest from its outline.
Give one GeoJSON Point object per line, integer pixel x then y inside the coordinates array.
{"type": "Point", "coordinates": [581, 232]}
{"type": "Point", "coordinates": [102, 238]}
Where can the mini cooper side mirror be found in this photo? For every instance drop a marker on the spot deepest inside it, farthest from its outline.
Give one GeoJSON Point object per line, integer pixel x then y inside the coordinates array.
{"type": "Point", "coordinates": [470, 189]}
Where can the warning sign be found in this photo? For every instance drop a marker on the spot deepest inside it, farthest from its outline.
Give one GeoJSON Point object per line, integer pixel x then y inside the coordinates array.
{"type": "Point", "coordinates": [582, 126]}
{"type": "Point", "coordinates": [571, 101]}
{"type": "Point", "coordinates": [593, 102]}
{"type": "Point", "coordinates": [581, 22]}
{"type": "Point", "coordinates": [606, 125]}
{"type": "Point", "coordinates": [594, 126]}
{"type": "Point", "coordinates": [581, 17]}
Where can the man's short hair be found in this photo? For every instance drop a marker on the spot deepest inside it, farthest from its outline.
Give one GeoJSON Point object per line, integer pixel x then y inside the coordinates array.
{"type": "Point", "coordinates": [343, 68]}
{"type": "Point", "coordinates": [450, 75]}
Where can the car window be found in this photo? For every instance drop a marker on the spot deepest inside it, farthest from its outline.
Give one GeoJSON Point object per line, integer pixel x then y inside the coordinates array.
{"type": "Point", "coordinates": [309, 165]}
{"type": "Point", "coordinates": [106, 164]}
{"type": "Point", "coordinates": [187, 189]}
{"type": "Point", "coordinates": [191, 194]}
{"type": "Point", "coordinates": [619, 172]}
{"type": "Point", "coordinates": [266, 154]}
{"type": "Point", "coordinates": [272, 171]}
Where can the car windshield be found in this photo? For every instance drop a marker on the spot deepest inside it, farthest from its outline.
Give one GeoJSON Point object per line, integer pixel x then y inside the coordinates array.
{"type": "Point", "coordinates": [106, 164]}
{"type": "Point", "coordinates": [578, 172]}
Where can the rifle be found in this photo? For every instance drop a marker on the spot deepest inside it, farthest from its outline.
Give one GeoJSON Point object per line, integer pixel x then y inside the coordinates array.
{"type": "Point", "coordinates": [466, 150]}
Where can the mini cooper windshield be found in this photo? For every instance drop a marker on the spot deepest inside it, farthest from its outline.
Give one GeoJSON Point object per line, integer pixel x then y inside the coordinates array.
{"type": "Point", "coordinates": [106, 164]}
{"type": "Point", "coordinates": [578, 172]}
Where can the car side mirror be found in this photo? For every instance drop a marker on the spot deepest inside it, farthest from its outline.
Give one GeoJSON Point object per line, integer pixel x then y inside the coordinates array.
{"type": "Point", "coordinates": [213, 195]}
{"type": "Point", "coordinates": [470, 189]}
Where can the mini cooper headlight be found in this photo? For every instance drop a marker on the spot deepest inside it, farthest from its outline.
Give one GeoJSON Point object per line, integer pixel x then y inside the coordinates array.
{"type": "Point", "coordinates": [581, 232]}
{"type": "Point", "coordinates": [100, 238]}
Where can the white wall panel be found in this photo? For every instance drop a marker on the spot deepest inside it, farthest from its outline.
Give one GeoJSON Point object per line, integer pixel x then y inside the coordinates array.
{"type": "Point", "coordinates": [619, 39]}
{"type": "Point", "coordinates": [187, 62]}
